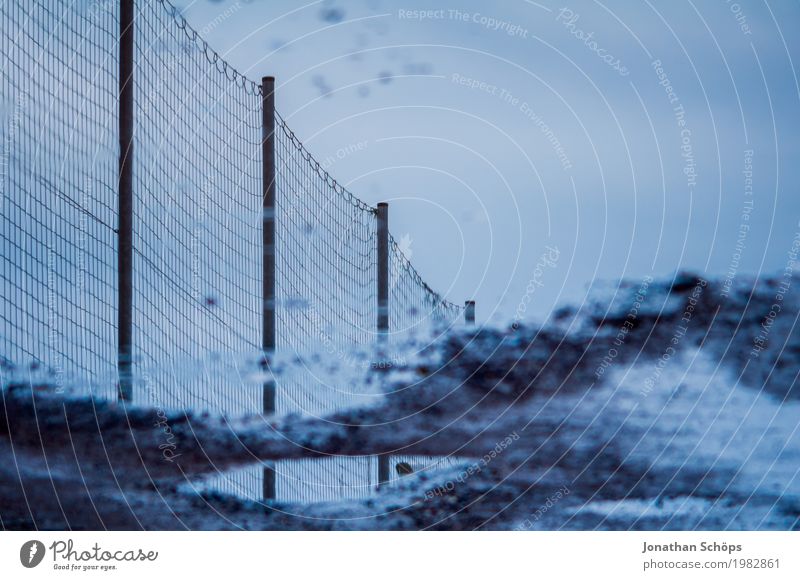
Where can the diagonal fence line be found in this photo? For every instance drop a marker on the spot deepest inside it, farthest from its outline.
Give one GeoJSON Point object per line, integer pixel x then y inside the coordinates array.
{"type": "Point", "coordinates": [197, 239]}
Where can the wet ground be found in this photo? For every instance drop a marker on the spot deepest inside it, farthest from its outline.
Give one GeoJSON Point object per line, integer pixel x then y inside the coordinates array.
{"type": "Point", "coordinates": [655, 405]}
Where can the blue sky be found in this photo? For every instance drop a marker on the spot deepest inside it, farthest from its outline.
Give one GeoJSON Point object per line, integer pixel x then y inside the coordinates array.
{"type": "Point", "coordinates": [616, 133]}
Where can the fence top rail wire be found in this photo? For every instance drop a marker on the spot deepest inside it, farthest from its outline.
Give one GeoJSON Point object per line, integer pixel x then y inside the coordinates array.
{"type": "Point", "coordinates": [417, 277]}
{"type": "Point", "coordinates": [213, 57]}
{"type": "Point", "coordinates": [324, 175]}
{"type": "Point", "coordinates": [254, 88]}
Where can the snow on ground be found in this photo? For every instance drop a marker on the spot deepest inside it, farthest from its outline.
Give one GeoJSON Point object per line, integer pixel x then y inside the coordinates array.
{"type": "Point", "coordinates": [724, 454]}
{"type": "Point", "coordinates": [677, 422]}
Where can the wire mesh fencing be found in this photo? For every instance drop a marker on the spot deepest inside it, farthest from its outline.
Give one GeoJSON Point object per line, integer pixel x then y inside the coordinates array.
{"type": "Point", "coordinates": [197, 226]}
{"type": "Point", "coordinates": [198, 248]}
{"type": "Point", "coordinates": [416, 309]}
{"type": "Point", "coordinates": [58, 196]}
{"type": "Point", "coordinates": [326, 248]}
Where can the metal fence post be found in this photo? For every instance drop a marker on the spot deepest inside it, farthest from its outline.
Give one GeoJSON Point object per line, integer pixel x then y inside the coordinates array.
{"type": "Point", "coordinates": [469, 312]}
{"type": "Point", "coordinates": [125, 205]}
{"type": "Point", "coordinates": [268, 341]}
{"type": "Point", "coordinates": [383, 271]}
{"type": "Point", "coordinates": [268, 337]}
{"type": "Point", "coordinates": [383, 307]}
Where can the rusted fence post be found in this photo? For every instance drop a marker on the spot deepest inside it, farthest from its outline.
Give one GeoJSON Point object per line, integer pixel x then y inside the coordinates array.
{"type": "Point", "coordinates": [268, 337]}
{"type": "Point", "coordinates": [469, 313]}
{"type": "Point", "coordinates": [383, 271]}
{"type": "Point", "coordinates": [125, 205]}
{"type": "Point", "coordinates": [383, 308]}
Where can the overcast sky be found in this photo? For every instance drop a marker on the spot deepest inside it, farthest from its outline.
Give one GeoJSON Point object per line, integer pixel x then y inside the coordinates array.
{"type": "Point", "coordinates": [610, 138]}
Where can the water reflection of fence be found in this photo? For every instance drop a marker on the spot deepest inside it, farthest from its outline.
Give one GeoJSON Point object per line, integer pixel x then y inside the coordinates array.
{"type": "Point", "coordinates": [158, 211]}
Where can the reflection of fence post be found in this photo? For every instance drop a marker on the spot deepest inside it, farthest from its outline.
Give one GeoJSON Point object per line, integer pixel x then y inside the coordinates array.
{"type": "Point", "coordinates": [383, 307]}
{"type": "Point", "coordinates": [268, 341]}
{"type": "Point", "coordinates": [469, 312]}
{"type": "Point", "coordinates": [383, 470]}
{"type": "Point", "coordinates": [125, 204]}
